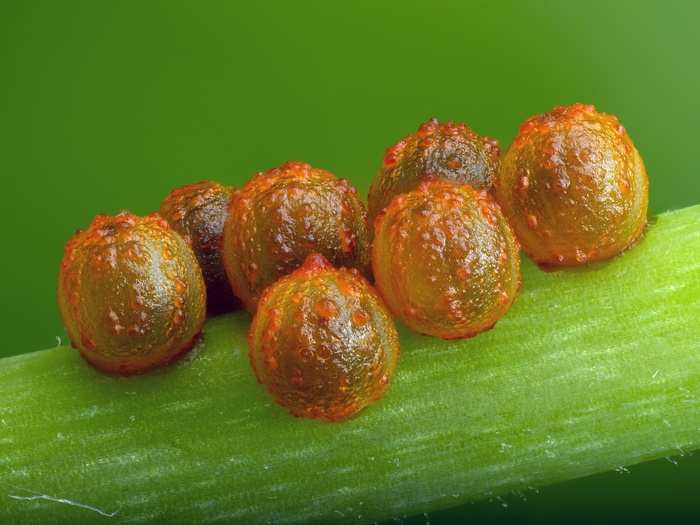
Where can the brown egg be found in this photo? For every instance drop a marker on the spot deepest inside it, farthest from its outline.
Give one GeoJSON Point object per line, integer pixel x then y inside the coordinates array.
{"type": "Point", "coordinates": [445, 260]}
{"type": "Point", "coordinates": [573, 187]}
{"type": "Point", "coordinates": [131, 293]}
{"type": "Point", "coordinates": [450, 151]}
{"type": "Point", "coordinates": [198, 213]}
{"type": "Point", "coordinates": [283, 215]}
{"type": "Point", "coordinates": [322, 342]}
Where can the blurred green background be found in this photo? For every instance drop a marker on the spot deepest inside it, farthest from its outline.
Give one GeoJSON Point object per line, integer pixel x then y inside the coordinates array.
{"type": "Point", "coordinates": [108, 105]}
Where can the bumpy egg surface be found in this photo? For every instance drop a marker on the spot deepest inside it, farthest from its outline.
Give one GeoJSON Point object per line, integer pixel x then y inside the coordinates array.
{"type": "Point", "coordinates": [573, 187]}
{"type": "Point", "coordinates": [445, 260]}
{"type": "Point", "coordinates": [449, 150]}
{"type": "Point", "coordinates": [198, 212]}
{"type": "Point", "coordinates": [285, 214]}
{"type": "Point", "coordinates": [131, 293]}
{"type": "Point", "coordinates": [322, 342]}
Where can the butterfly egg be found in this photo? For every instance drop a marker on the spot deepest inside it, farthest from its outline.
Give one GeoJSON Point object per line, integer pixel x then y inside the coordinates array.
{"type": "Point", "coordinates": [322, 342]}
{"type": "Point", "coordinates": [573, 187]}
{"type": "Point", "coordinates": [445, 260]}
{"type": "Point", "coordinates": [445, 150]}
{"type": "Point", "coordinates": [198, 213]}
{"type": "Point", "coordinates": [283, 215]}
{"type": "Point", "coordinates": [131, 293]}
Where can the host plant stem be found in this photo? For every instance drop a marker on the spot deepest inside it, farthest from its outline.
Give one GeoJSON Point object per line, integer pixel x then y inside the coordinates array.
{"type": "Point", "coordinates": [591, 370]}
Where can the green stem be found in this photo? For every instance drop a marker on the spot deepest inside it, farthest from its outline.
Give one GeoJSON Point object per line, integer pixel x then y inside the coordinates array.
{"type": "Point", "coordinates": [592, 369]}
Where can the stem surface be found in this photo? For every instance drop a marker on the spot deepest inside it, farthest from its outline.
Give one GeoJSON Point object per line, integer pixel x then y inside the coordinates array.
{"type": "Point", "coordinates": [592, 369]}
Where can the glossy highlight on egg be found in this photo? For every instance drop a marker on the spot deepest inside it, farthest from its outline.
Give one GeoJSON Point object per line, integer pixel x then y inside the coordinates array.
{"type": "Point", "coordinates": [322, 342]}
{"type": "Point", "coordinates": [198, 212]}
{"type": "Point", "coordinates": [445, 260]}
{"type": "Point", "coordinates": [285, 214]}
{"type": "Point", "coordinates": [573, 187]}
{"type": "Point", "coordinates": [449, 150]}
{"type": "Point", "coordinates": [131, 293]}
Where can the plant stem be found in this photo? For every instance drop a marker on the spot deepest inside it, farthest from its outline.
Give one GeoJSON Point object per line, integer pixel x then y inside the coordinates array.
{"type": "Point", "coordinates": [591, 370]}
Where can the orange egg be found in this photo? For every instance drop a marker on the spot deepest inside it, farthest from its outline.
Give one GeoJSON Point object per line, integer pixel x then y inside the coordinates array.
{"type": "Point", "coordinates": [448, 150]}
{"type": "Point", "coordinates": [131, 293]}
{"type": "Point", "coordinates": [445, 260]}
{"type": "Point", "coordinates": [283, 215]}
{"type": "Point", "coordinates": [322, 342]}
{"type": "Point", "coordinates": [573, 187]}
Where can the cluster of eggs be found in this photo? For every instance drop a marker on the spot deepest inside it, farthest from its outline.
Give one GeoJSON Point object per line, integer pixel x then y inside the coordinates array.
{"type": "Point", "coordinates": [296, 247]}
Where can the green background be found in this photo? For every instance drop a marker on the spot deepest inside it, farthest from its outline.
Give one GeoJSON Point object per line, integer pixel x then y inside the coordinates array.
{"type": "Point", "coordinates": [109, 105]}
